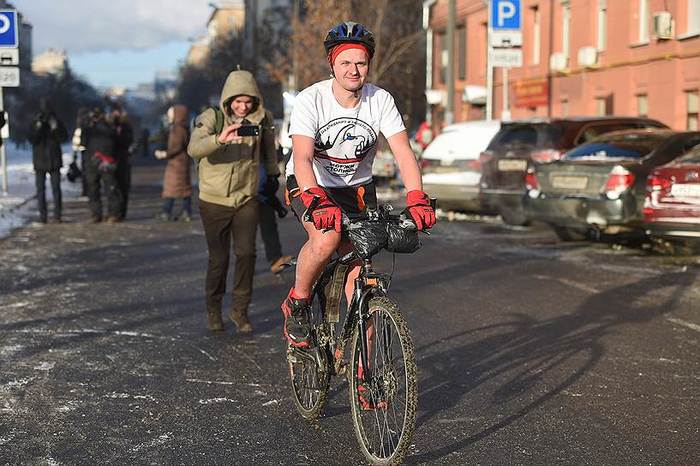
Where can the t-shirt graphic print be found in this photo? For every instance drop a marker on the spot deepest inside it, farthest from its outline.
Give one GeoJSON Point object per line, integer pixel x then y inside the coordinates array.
{"type": "Point", "coordinates": [345, 139]}
{"type": "Point", "coordinates": [344, 142]}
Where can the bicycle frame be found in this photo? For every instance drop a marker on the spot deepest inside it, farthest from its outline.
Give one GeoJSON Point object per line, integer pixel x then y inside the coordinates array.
{"type": "Point", "coordinates": [368, 284]}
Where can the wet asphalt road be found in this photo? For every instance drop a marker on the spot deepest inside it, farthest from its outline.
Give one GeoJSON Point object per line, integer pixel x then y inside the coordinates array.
{"type": "Point", "coordinates": [530, 351]}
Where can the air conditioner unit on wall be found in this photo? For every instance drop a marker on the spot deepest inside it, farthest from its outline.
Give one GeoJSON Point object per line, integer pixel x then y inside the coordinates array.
{"type": "Point", "coordinates": [587, 57]}
{"type": "Point", "coordinates": [558, 61]}
{"type": "Point", "coordinates": [663, 25]}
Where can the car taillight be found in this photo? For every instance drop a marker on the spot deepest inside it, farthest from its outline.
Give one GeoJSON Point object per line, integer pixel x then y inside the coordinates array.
{"type": "Point", "coordinates": [544, 156]}
{"type": "Point", "coordinates": [657, 183]}
{"type": "Point", "coordinates": [485, 156]}
{"type": "Point", "coordinates": [531, 184]}
{"type": "Point", "coordinates": [474, 165]}
{"type": "Point", "coordinates": [619, 181]}
{"type": "Point", "coordinates": [531, 180]}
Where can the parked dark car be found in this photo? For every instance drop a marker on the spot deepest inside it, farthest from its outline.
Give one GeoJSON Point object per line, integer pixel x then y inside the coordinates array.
{"type": "Point", "coordinates": [520, 145]}
{"type": "Point", "coordinates": [672, 204]}
{"type": "Point", "coordinates": [600, 186]}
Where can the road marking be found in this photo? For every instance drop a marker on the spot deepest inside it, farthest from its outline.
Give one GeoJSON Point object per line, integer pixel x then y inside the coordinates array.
{"type": "Point", "coordinates": [571, 283]}
{"type": "Point", "coordinates": [683, 323]}
{"type": "Point", "coordinates": [207, 354]}
{"type": "Point", "coordinates": [210, 382]}
{"type": "Point", "coordinates": [460, 419]}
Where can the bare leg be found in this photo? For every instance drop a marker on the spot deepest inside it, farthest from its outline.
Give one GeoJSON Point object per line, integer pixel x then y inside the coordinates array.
{"type": "Point", "coordinates": [313, 257]}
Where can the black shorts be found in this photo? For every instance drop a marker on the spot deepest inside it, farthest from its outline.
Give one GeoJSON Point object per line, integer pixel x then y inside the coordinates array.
{"type": "Point", "coordinates": [351, 200]}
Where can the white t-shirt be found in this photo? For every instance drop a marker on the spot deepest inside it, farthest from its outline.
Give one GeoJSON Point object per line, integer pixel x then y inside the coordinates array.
{"type": "Point", "coordinates": [345, 139]}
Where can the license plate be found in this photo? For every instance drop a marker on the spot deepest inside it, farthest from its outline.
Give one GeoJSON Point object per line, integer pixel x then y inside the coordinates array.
{"type": "Point", "coordinates": [569, 182]}
{"type": "Point", "coordinates": [685, 190]}
{"type": "Point", "coordinates": [512, 165]}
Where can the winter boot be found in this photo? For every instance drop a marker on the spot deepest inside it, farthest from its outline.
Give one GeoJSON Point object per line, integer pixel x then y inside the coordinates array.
{"type": "Point", "coordinates": [214, 322]}
{"type": "Point", "coordinates": [240, 319]}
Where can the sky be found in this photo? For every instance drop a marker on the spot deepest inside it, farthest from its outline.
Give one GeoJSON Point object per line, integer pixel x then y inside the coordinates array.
{"type": "Point", "coordinates": [117, 42]}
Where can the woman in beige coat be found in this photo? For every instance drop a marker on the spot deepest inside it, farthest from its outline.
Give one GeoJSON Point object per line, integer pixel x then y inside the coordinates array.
{"type": "Point", "coordinates": [176, 181]}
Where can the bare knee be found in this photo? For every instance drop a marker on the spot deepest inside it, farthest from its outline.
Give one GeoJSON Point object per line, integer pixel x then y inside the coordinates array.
{"type": "Point", "coordinates": [324, 245]}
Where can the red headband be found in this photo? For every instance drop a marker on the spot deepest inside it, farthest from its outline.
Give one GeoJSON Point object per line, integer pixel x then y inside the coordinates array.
{"type": "Point", "coordinates": [335, 51]}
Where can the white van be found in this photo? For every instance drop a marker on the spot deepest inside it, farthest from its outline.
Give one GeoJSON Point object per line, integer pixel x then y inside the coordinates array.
{"type": "Point", "coordinates": [451, 166]}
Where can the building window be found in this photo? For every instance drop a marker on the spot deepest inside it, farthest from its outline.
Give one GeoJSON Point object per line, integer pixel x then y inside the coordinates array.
{"type": "Point", "coordinates": [642, 105]}
{"type": "Point", "coordinates": [602, 25]}
{"type": "Point", "coordinates": [604, 105]}
{"type": "Point", "coordinates": [462, 51]}
{"type": "Point", "coordinates": [442, 39]}
{"type": "Point", "coordinates": [643, 15]}
{"type": "Point", "coordinates": [564, 108]}
{"type": "Point", "coordinates": [536, 35]}
{"type": "Point", "coordinates": [692, 105]}
{"type": "Point", "coordinates": [565, 27]}
{"type": "Point", "coordinates": [693, 17]}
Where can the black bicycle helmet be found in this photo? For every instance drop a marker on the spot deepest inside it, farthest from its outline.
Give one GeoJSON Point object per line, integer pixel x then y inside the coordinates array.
{"type": "Point", "coordinates": [349, 32]}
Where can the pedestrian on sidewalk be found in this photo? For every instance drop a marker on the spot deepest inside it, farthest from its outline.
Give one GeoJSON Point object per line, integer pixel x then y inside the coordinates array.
{"type": "Point", "coordinates": [228, 184]}
{"type": "Point", "coordinates": [125, 137]}
{"type": "Point", "coordinates": [176, 180]}
{"type": "Point", "coordinates": [99, 138]}
{"type": "Point", "coordinates": [78, 148]}
{"type": "Point", "coordinates": [46, 134]}
{"type": "Point", "coordinates": [269, 208]}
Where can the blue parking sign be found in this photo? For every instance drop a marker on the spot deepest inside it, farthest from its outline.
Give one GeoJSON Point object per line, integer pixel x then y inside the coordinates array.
{"type": "Point", "coordinates": [8, 29]}
{"type": "Point", "coordinates": [505, 14]}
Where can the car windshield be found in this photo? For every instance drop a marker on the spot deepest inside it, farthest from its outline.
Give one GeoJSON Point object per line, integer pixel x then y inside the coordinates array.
{"type": "Point", "coordinates": [693, 156]}
{"type": "Point", "coordinates": [525, 135]}
{"type": "Point", "coordinates": [628, 146]}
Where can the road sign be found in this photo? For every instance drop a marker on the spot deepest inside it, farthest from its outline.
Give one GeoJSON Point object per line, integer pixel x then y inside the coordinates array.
{"type": "Point", "coordinates": [9, 76]}
{"type": "Point", "coordinates": [506, 58]}
{"type": "Point", "coordinates": [505, 14]}
{"type": "Point", "coordinates": [506, 38]}
{"type": "Point", "coordinates": [8, 29]}
{"type": "Point", "coordinates": [9, 57]}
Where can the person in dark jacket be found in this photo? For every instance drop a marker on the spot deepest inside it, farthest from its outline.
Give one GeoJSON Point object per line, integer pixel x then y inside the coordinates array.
{"type": "Point", "coordinates": [269, 207]}
{"type": "Point", "coordinates": [125, 136]}
{"type": "Point", "coordinates": [100, 140]}
{"type": "Point", "coordinates": [176, 181]}
{"type": "Point", "coordinates": [46, 134]}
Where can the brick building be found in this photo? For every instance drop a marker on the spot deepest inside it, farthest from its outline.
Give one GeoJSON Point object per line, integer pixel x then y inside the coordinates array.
{"type": "Point", "coordinates": [580, 57]}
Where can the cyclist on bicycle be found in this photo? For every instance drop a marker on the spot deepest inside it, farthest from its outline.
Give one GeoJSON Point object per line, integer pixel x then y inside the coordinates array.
{"type": "Point", "coordinates": [334, 128]}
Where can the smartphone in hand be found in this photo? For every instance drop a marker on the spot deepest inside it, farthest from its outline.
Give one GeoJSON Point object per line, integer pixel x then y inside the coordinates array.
{"type": "Point", "coordinates": [249, 130]}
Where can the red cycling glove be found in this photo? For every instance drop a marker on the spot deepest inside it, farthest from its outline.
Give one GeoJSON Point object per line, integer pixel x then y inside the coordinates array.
{"type": "Point", "coordinates": [418, 206]}
{"type": "Point", "coordinates": [326, 215]}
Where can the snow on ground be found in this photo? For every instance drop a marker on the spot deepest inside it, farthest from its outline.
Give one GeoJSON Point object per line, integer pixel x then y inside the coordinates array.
{"type": "Point", "coordinates": [18, 207]}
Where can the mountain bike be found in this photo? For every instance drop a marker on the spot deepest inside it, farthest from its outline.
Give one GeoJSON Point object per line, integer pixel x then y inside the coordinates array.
{"type": "Point", "coordinates": [381, 371]}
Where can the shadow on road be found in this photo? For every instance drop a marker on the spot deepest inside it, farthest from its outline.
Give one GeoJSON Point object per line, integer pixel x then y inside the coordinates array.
{"type": "Point", "coordinates": [532, 361]}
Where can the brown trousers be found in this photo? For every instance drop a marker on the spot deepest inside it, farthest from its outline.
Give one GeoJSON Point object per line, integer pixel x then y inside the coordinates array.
{"type": "Point", "coordinates": [221, 225]}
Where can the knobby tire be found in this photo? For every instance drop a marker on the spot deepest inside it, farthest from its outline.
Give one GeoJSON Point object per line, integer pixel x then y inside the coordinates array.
{"type": "Point", "coordinates": [385, 434]}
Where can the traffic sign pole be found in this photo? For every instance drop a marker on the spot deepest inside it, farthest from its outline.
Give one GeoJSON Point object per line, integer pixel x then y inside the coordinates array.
{"type": "Point", "coordinates": [9, 76]}
{"type": "Point", "coordinates": [504, 40]}
{"type": "Point", "coordinates": [3, 156]}
{"type": "Point", "coordinates": [489, 69]}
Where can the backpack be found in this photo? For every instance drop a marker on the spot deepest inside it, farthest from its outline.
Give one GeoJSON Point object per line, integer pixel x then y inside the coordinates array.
{"type": "Point", "coordinates": [218, 119]}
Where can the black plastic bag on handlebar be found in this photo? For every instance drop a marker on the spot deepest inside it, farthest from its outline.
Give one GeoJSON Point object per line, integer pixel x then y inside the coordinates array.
{"type": "Point", "coordinates": [368, 237]}
{"type": "Point", "coordinates": [401, 240]}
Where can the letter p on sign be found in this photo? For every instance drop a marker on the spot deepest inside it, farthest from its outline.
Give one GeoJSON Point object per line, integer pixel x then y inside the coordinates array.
{"type": "Point", "coordinates": [505, 14]}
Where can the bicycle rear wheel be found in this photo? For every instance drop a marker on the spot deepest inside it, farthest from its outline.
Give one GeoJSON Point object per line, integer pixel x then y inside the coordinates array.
{"type": "Point", "coordinates": [309, 370]}
{"type": "Point", "coordinates": [384, 396]}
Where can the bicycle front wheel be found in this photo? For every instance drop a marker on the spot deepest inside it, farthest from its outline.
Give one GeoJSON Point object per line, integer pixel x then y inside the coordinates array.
{"type": "Point", "coordinates": [384, 395]}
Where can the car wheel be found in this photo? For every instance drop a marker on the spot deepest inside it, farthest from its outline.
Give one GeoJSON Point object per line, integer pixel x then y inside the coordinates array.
{"type": "Point", "coordinates": [514, 216]}
{"type": "Point", "coordinates": [568, 234]}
